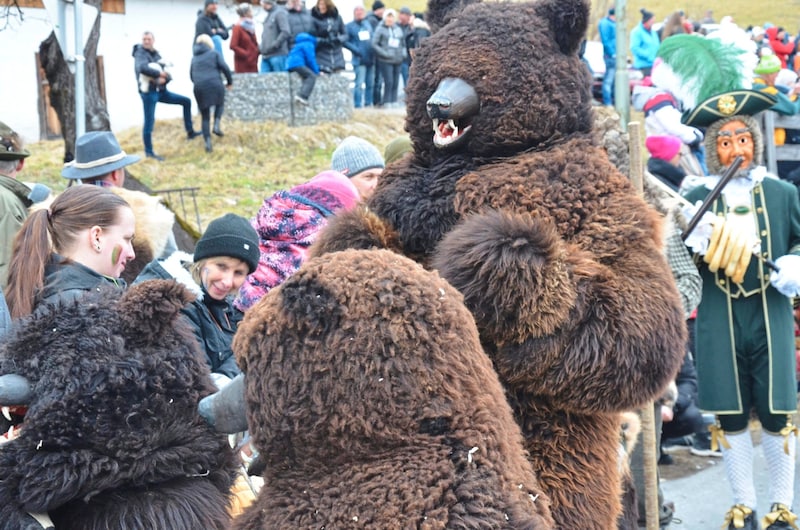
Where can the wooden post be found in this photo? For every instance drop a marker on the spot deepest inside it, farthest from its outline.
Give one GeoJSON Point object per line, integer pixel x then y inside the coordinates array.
{"type": "Point", "coordinates": [647, 413]}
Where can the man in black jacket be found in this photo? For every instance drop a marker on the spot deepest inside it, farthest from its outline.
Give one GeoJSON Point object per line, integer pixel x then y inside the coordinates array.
{"type": "Point", "coordinates": [152, 80]}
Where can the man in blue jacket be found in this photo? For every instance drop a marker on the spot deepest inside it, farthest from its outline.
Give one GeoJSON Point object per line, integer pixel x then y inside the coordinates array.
{"type": "Point", "coordinates": [644, 43]}
{"type": "Point", "coordinates": [359, 42]}
{"type": "Point", "coordinates": [608, 36]}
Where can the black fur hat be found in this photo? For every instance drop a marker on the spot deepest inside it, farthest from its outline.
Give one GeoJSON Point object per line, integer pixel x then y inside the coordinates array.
{"type": "Point", "coordinates": [229, 235]}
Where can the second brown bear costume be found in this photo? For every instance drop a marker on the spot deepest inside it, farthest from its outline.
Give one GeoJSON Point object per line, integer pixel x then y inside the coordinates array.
{"type": "Point", "coordinates": [375, 407]}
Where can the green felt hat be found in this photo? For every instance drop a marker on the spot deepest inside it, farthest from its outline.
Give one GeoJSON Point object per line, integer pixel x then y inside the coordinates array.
{"type": "Point", "coordinates": [735, 102]}
{"type": "Point", "coordinates": [11, 144]}
{"type": "Point", "coordinates": [769, 64]}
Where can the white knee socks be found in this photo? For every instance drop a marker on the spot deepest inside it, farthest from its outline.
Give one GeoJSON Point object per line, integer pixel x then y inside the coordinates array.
{"type": "Point", "coordinates": [780, 467]}
{"type": "Point", "coordinates": [739, 468]}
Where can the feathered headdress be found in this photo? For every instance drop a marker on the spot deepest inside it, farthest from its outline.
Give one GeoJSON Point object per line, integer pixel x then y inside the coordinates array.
{"type": "Point", "coordinates": [693, 68]}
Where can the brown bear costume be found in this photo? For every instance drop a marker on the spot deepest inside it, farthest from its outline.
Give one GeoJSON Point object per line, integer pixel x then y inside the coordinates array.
{"type": "Point", "coordinates": [375, 407]}
{"type": "Point", "coordinates": [112, 437]}
{"type": "Point", "coordinates": [509, 196]}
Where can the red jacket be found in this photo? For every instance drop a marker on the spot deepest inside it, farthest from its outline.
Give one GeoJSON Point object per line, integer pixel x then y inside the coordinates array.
{"type": "Point", "coordinates": [245, 50]}
{"type": "Point", "coordinates": [780, 48]}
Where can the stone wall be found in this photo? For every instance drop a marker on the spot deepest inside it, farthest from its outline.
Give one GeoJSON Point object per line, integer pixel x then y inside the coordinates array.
{"type": "Point", "coordinates": [270, 97]}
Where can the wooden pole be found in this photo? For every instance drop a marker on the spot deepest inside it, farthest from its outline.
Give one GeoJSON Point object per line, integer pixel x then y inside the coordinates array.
{"type": "Point", "coordinates": [647, 413]}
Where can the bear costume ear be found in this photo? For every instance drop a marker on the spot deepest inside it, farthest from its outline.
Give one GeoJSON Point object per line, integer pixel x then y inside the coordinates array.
{"type": "Point", "coordinates": [568, 22]}
{"type": "Point", "coordinates": [149, 308]}
{"type": "Point", "coordinates": [440, 12]}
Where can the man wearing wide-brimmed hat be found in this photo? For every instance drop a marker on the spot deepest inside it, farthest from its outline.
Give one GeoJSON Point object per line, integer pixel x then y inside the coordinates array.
{"type": "Point", "coordinates": [15, 196]}
{"type": "Point", "coordinates": [98, 160]}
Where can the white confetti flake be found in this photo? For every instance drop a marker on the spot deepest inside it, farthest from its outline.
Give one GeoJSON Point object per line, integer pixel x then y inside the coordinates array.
{"type": "Point", "coordinates": [470, 453]}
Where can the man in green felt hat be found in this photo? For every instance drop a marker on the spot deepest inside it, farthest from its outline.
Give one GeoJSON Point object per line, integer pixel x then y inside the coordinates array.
{"type": "Point", "coordinates": [787, 103]}
{"type": "Point", "coordinates": [745, 349]}
{"type": "Point", "coordinates": [15, 196]}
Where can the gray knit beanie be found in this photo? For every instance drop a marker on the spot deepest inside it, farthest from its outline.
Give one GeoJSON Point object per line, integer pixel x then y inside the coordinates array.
{"type": "Point", "coordinates": [232, 236]}
{"type": "Point", "coordinates": [355, 155]}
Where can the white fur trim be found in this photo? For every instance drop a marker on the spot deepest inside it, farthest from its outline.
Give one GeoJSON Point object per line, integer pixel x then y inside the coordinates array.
{"type": "Point", "coordinates": [175, 266]}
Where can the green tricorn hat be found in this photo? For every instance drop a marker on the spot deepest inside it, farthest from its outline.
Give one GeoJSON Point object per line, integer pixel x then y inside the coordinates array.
{"type": "Point", "coordinates": [10, 144]}
{"type": "Point", "coordinates": [728, 104]}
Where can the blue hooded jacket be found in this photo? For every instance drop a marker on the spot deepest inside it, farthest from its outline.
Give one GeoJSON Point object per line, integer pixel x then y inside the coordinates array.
{"type": "Point", "coordinates": [303, 53]}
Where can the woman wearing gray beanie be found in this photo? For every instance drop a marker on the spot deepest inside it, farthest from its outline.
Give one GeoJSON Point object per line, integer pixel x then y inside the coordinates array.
{"type": "Point", "coordinates": [223, 257]}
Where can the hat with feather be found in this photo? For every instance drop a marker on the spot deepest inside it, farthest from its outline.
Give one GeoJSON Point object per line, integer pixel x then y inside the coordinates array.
{"type": "Point", "coordinates": [693, 68]}
{"type": "Point", "coordinates": [711, 76]}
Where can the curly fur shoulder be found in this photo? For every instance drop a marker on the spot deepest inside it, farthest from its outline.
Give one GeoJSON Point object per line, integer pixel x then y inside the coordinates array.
{"type": "Point", "coordinates": [153, 220]}
{"type": "Point", "coordinates": [176, 266]}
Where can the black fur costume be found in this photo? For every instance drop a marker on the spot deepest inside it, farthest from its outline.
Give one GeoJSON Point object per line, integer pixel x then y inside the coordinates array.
{"type": "Point", "coordinates": [112, 438]}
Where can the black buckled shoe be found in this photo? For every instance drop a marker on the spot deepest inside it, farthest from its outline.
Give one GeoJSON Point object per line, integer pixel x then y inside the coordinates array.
{"type": "Point", "coordinates": [780, 517]}
{"type": "Point", "coordinates": [740, 517]}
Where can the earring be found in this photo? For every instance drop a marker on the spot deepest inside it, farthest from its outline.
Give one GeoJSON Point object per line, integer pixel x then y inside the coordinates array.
{"type": "Point", "coordinates": [97, 247]}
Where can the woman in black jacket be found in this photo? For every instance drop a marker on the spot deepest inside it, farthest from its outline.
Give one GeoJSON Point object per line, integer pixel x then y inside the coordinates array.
{"type": "Point", "coordinates": [81, 242]}
{"type": "Point", "coordinates": [331, 36]}
{"type": "Point", "coordinates": [223, 257]}
{"type": "Point", "coordinates": [206, 70]}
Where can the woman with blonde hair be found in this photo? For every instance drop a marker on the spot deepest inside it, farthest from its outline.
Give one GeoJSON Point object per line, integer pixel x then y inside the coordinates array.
{"type": "Point", "coordinates": [82, 241]}
{"type": "Point", "coordinates": [223, 257]}
{"type": "Point", "coordinates": [206, 70]}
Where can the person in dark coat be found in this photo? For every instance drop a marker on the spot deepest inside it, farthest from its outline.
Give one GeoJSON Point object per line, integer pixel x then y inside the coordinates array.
{"type": "Point", "coordinates": [299, 19]}
{"type": "Point", "coordinates": [419, 32]}
{"type": "Point", "coordinates": [388, 41]}
{"type": "Point", "coordinates": [223, 257]}
{"type": "Point", "coordinates": [244, 42]}
{"type": "Point", "coordinates": [331, 36]}
{"type": "Point", "coordinates": [665, 159]}
{"type": "Point", "coordinates": [209, 23]}
{"type": "Point", "coordinates": [687, 418]}
{"type": "Point", "coordinates": [205, 71]}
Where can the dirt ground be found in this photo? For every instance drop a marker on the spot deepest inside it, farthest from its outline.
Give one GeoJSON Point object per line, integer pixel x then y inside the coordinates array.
{"type": "Point", "coordinates": [685, 463]}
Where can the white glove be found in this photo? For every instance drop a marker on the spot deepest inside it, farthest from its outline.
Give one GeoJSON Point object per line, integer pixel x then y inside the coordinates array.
{"type": "Point", "coordinates": [787, 281]}
{"type": "Point", "coordinates": [698, 238]}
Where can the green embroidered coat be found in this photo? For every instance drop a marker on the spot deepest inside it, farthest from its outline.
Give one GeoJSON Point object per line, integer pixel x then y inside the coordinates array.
{"type": "Point", "coordinates": [762, 315]}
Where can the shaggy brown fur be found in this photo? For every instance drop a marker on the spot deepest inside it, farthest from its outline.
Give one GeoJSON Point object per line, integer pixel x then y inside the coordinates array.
{"type": "Point", "coordinates": [375, 406]}
{"type": "Point", "coordinates": [112, 438]}
{"type": "Point", "coordinates": [557, 257]}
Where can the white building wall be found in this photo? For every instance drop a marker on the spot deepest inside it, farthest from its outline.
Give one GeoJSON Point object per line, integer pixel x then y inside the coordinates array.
{"type": "Point", "coordinates": [172, 23]}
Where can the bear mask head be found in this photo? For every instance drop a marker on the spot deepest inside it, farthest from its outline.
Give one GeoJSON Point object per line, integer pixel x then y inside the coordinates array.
{"type": "Point", "coordinates": [499, 78]}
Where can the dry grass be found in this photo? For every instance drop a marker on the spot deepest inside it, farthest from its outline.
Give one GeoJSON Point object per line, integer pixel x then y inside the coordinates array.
{"type": "Point", "coordinates": [251, 162]}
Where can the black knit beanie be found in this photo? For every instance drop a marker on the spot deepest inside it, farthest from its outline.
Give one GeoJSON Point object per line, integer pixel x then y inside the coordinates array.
{"type": "Point", "coordinates": [231, 236]}
{"type": "Point", "coordinates": [646, 15]}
